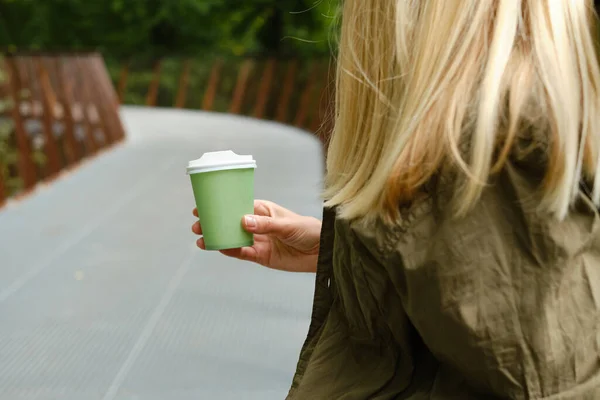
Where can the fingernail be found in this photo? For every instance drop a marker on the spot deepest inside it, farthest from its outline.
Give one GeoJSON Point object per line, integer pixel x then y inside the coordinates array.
{"type": "Point", "coordinates": [250, 221]}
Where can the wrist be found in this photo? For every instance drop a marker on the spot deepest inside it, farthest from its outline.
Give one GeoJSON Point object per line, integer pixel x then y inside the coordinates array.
{"type": "Point", "coordinates": [315, 232]}
{"type": "Point", "coordinates": [311, 264]}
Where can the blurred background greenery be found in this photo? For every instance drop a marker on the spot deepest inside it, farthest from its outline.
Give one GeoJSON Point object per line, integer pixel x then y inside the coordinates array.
{"type": "Point", "coordinates": [138, 33]}
{"type": "Point", "coordinates": [122, 29]}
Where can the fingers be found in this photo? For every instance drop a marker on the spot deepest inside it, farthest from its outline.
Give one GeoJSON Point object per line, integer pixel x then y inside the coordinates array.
{"type": "Point", "coordinates": [270, 209]}
{"type": "Point", "coordinates": [264, 208]}
{"type": "Point", "coordinates": [261, 207]}
{"type": "Point", "coordinates": [249, 223]}
{"type": "Point", "coordinates": [197, 228]}
{"type": "Point", "coordinates": [265, 225]}
{"type": "Point", "coordinates": [244, 254]}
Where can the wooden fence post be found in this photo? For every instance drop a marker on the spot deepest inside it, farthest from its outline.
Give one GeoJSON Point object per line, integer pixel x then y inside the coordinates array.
{"type": "Point", "coordinates": [154, 85]}
{"type": "Point", "coordinates": [73, 153]}
{"type": "Point", "coordinates": [213, 83]}
{"type": "Point", "coordinates": [2, 188]}
{"type": "Point", "coordinates": [25, 165]}
{"type": "Point", "coordinates": [104, 79]}
{"type": "Point", "coordinates": [73, 108]}
{"type": "Point", "coordinates": [104, 102]}
{"type": "Point", "coordinates": [288, 89]}
{"type": "Point", "coordinates": [111, 102]}
{"type": "Point", "coordinates": [50, 146]}
{"type": "Point", "coordinates": [86, 102]}
{"type": "Point", "coordinates": [240, 87]}
{"type": "Point", "coordinates": [4, 96]}
{"type": "Point", "coordinates": [183, 84]}
{"type": "Point", "coordinates": [77, 101]}
{"type": "Point", "coordinates": [305, 100]}
{"type": "Point", "coordinates": [265, 88]}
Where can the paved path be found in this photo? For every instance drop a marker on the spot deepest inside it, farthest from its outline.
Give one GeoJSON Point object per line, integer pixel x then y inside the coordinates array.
{"type": "Point", "coordinates": [104, 296]}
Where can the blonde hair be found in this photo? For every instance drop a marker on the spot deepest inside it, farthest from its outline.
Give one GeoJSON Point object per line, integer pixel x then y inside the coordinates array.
{"type": "Point", "coordinates": [423, 84]}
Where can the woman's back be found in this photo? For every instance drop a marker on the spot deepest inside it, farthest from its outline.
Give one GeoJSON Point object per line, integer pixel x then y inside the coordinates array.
{"type": "Point", "coordinates": [464, 260]}
{"type": "Point", "coordinates": [507, 298]}
{"type": "Point", "coordinates": [502, 303]}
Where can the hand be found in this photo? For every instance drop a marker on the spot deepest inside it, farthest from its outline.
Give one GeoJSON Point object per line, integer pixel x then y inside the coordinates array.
{"type": "Point", "coordinates": [283, 240]}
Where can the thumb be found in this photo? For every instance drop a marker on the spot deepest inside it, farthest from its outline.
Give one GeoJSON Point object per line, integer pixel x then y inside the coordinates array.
{"type": "Point", "coordinates": [264, 225]}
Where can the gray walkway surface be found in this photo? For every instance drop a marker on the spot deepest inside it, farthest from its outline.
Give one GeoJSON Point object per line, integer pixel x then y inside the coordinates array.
{"type": "Point", "coordinates": [103, 294]}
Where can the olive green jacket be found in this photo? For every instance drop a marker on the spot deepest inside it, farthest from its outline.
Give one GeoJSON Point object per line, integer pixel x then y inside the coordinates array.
{"type": "Point", "coordinates": [501, 304]}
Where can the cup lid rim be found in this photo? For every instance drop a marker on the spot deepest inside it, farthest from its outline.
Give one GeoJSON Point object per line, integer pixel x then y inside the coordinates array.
{"type": "Point", "coordinates": [220, 160]}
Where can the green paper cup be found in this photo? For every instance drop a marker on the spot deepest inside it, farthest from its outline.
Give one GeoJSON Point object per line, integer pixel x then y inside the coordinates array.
{"type": "Point", "coordinates": [223, 185]}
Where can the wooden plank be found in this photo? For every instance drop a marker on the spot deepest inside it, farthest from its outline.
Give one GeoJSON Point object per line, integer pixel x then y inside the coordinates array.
{"type": "Point", "coordinates": [112, 106]}
{"type": "Point", "coordinates": [73, 102]}
{"type": "Point", "coordinates": [31, 81]}
{"type": "Point", "coordinates": [183, 84]}
{"type": "Point", "coordinates": [86, 97]}
{"type": "Point", "coordinates": [54, 105]}
{"type": "Point", "coordinates": [288, 89]}
{"type": "Point", "coordinates": [3, 194]}
{"type": "Point", "coordinates": [106, 100]}
{"type": "Point", "coordinates": [51, 66]}
{"type": "Point", "coordinates": [108, 113]}
{"type": "Point", "coordinates": [213, 83]}
{"type": "Point", "coordinates": [22, 75]}
{"type": "Point", "coordinates": [48, 94]}
{"type": "Point", "coordinates": [307, 96]}
{"type": "Point", "coordinates": [73, 152]}
{"type": "Point", "coordinates": [76, 103]}
{"type": "Point", "coordinates": [240, 87]}
{"type": "Point", "coordinates": [69, 82]}
{"type": "Point", "coordinates": [97, 61]}
{"type": "Point", "coordinates": [121, 91]}
{"type": "Point", "coordinates": [50, 146]}
{"type": "Point", "coordinates": [25, 165]}
{"type": "Point", "coordinates": [265, 88]}
{"type": "Point", "coordinates": [4, 95]}
{"type": "Point", "coordinates": [101, 100]}
{"type": "Point", "coordinates": [154, 85]}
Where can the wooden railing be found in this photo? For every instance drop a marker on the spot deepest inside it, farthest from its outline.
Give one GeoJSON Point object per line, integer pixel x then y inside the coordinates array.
{"type": "Point", "coordinates": [64, 107]}
{"type": "Point", "coordinates": [291, 91]}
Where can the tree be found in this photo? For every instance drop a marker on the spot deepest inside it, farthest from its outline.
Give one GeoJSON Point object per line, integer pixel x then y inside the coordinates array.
{"type": "Point", "coordinates": [153, 28]}
{"type": "Point", "coordinates": [282, 27]}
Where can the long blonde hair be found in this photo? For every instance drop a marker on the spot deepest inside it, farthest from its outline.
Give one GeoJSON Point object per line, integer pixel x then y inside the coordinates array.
{"type": "Point", "coordinates": [420, 81]}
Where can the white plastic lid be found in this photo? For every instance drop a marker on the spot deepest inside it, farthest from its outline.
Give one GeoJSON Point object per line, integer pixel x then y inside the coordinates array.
{"type": "Point", "coordinates": [218, 161]}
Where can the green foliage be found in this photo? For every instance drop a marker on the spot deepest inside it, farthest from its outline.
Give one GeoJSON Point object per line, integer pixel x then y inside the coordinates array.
{"type": "Point", "coordinates": [157, 28]}
{"type": "Point", "coordinates": [139, 31]}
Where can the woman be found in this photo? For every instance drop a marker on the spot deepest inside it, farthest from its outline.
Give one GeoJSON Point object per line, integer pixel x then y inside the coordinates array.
{"type": "Point", "coordinates": [460, 247]}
